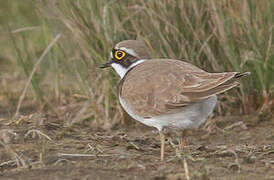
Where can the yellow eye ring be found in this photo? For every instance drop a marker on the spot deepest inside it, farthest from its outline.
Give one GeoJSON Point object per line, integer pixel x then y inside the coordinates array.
{"type": "Point", "coordinates": [119, 54]}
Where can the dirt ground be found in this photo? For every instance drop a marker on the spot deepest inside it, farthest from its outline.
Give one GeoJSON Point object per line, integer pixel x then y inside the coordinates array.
{"type": "Point", "coordinates": [234, 147]}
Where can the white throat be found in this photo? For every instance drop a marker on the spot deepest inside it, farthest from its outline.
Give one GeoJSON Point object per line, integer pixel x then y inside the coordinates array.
{"type": "Point", "coordinates": [121, 71]}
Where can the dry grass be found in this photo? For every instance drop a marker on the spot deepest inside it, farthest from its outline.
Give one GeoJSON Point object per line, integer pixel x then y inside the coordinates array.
{"type": "Point", "coordinates": [217, 36]}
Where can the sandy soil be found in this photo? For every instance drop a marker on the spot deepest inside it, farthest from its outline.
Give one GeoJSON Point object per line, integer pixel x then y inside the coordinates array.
{"type": "Point", "coordinates": [239, 147]}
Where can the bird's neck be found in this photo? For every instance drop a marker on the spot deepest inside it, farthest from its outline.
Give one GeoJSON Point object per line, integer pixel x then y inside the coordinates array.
{"type": "Point", "coordinates": [121, 70]}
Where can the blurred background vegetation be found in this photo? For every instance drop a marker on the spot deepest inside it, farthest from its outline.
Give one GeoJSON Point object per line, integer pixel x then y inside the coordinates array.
{"type": "Point", "coordinates": [216, 35]}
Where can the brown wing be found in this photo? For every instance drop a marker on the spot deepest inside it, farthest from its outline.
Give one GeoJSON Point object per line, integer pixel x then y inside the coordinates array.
{"type": "Point", "coordinates": [159, 86]}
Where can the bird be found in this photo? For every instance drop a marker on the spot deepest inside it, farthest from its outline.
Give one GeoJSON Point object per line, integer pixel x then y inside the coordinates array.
{"type": "Point", "coordinates": [166, 93]}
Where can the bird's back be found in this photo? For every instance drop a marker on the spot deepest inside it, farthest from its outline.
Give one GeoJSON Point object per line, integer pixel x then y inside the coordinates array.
{"type": "Point", "coordinates": [162, 86]}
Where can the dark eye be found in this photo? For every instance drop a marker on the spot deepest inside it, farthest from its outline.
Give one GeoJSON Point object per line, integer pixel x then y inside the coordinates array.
{"type": "Point", "coordinates": [119, 54]}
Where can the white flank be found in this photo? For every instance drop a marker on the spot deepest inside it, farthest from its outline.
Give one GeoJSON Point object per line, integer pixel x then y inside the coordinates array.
{"type": "Point", "coordinates": [121, 71]}
{"type": "Point", "coordinates": [149, 122]}
{"type": "Point", "coordinates": [129, 111]}
{"type": "Point", "coordinates": [188, 117]}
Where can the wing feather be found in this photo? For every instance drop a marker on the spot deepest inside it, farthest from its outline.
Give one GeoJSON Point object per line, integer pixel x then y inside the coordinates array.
{"type": "Point", "coordinates": [159, 86]}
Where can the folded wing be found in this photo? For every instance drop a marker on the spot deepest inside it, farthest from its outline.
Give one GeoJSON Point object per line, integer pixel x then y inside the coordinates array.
{"type": "Point", "coordinates": [161, 86]}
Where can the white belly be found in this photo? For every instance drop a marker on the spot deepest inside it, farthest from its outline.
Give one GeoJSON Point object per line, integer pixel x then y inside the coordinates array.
{"type": "Point", "coordinates": [188, 117]}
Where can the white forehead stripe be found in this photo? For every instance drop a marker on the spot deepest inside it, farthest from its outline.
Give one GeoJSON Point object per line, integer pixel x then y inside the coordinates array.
{"type": "Point", "coordinates": [129, 51]}
{"type": "Point", "coordinates": [110, 55]}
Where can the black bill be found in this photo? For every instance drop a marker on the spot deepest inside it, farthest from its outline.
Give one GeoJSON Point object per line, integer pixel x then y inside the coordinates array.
{"type": "Point", "coordinates": [107, 64]}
